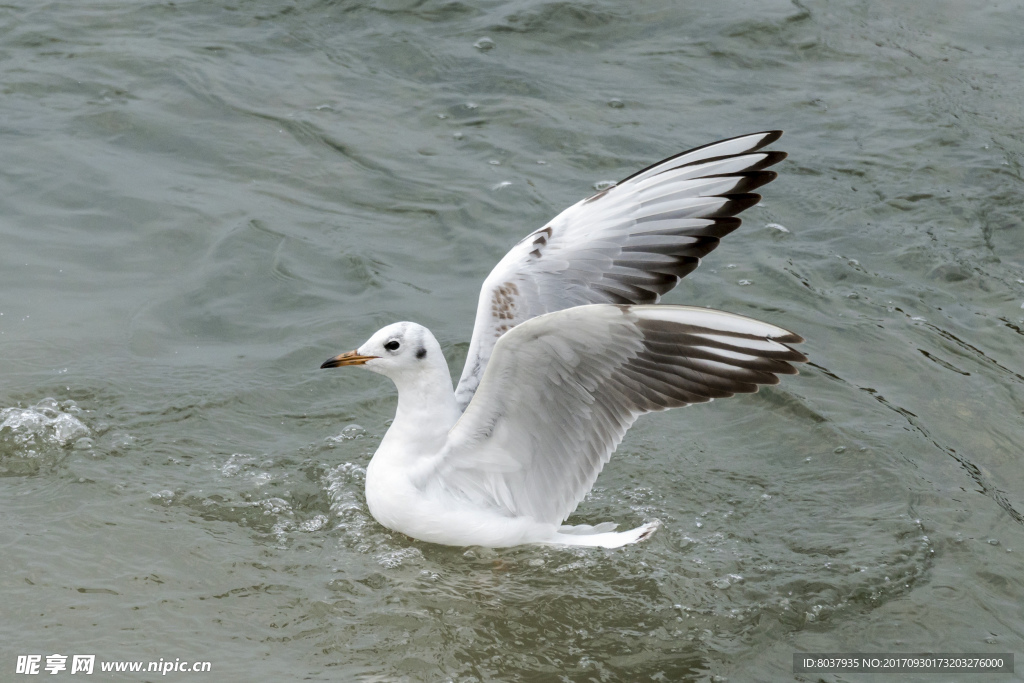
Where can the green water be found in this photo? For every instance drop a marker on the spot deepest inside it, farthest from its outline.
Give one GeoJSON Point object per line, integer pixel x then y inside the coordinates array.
{"type": "Point", "coordinates": [201, 201]}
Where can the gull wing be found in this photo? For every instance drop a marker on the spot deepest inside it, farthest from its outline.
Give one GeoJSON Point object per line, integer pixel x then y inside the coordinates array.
{"type": "Point", "coordinates": [628, 244]}
{"type": "Point", "coordinates": [561, 390]}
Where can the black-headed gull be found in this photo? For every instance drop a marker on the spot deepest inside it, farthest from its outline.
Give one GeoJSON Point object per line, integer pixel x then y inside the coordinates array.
{"type": "Point", "coordinates": [567, 351]}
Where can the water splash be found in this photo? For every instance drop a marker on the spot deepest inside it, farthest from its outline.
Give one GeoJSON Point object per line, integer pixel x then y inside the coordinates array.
{"type": "Point", "coordinates": [356, 528]}
{"type": "Point", "coordinates": [50, 421]}
{"type": "Point", "coordinates": [344, 486]}
{"type": "Point", "coordinates": [28, 436]}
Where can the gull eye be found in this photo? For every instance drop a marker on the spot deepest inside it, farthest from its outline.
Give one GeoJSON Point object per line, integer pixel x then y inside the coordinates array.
{"type": "Point", "coordinates": [392, 345]}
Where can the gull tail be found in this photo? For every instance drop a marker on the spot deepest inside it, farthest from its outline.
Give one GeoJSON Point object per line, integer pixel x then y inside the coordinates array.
{"type": "Point", "coordinates": [602, 535]}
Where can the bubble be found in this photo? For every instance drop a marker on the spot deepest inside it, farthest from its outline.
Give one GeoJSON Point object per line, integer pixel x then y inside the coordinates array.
{"type": "Point", "coordinates": [485, 44]}
{"type": "Point", "coordinates": [315, 524]}
{"type": "Point", "coordinates": [349, 433]}
{"type": "Point", "coordinates": [602, 185]}
{"type": "Point", "coordinates": [727, 581]}
{"type": "Point", "coordinates": [744, 283]}
{"type": "Point", "coordinates": [236, 463]}
{"type": "Point", "coordinates": [573, 566]}
{"type": "Point", "coordinates": [395, 558]}
{"type": "Point", "coordinates": [165, 497]}
{"type": "Point", "coordinates": [616, 103]}
{"type": "Point", "coordinates": [776, 226]}
{"type": "Point", "coordinates": [275, 506]}
{"type": "Point", "coordinates": [120, 442]}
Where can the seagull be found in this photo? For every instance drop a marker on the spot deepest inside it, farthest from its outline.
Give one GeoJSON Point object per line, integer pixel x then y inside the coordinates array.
{"type": "Point", "coordinates": [569, 348]}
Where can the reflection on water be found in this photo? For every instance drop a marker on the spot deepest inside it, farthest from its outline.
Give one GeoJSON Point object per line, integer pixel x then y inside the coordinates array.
{"type": "Point", "coordinates": [203, 200]}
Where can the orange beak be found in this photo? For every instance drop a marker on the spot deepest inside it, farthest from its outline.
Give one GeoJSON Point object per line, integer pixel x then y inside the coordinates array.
{"type": "Point", "coordinates": [347, 358]}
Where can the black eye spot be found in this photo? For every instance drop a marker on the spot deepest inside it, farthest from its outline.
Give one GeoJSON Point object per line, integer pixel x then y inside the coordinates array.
{"type": "Point", "coordinates": [422, 353]}
{"type": "Point", "coordinates": [392, 345]}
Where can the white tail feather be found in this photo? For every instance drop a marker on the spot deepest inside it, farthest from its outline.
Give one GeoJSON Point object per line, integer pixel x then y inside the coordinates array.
{"type": "Point", "coordinates": [585, 535]}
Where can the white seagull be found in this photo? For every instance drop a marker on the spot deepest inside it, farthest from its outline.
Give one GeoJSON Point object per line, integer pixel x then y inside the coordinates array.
{"type": "Point", "coordinates": [567, 351]}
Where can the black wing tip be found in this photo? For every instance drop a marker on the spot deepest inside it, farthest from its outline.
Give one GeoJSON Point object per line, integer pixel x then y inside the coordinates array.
{"type": "Point", "coordinates": [737, 203]}
{"type": "Point", "coordinates": [790, 338]}
{"type": "Point", "coordinates": [793, 356]}
{"type": "Point", "coordinates": [770, 136]}
{"type": "Point", "coordinates": [768, 158]}
{"type": "Point", "coordinates": [772, 157]}
{"type": "Point", "coordinates": [788, 370]}
{"type": "Point", "coordinates": [726, 225]}
{"type": "Point", "coordinates": [751, 180]}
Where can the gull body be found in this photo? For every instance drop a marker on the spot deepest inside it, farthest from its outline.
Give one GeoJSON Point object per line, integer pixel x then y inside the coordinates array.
{"type": "Point", "coordinates": [568, 350]}
{"type": "Point", "coordinates": [402, 491]}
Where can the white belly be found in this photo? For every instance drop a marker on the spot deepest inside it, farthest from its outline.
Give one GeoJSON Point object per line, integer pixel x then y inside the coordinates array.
{"type": "Point", "coordinates": [401, 506]}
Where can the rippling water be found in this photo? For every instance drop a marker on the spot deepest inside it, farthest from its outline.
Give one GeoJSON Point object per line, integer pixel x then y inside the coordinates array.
{"type": "Point", "coordinates": [203, 200]}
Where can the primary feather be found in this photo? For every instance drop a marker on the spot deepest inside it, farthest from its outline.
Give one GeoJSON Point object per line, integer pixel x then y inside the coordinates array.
{"type": "Point", "coordinates": [628, 244]}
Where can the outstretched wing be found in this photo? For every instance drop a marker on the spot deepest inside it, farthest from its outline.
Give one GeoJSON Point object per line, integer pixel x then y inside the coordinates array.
{"type": "Point", "coordinates": [561, 390]}
{"type": "Point", "coordinates": [628, 244]}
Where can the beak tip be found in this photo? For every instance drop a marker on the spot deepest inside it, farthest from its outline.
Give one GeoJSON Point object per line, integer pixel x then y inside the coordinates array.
{"type": "Point", "coordinates": [347, 358]}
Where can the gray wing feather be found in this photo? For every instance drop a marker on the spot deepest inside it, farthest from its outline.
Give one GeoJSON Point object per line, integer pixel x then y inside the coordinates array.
{"type": "Point", "coordinates": [561, 390]}
{"type": "Point", "coordinates": [628, 244]}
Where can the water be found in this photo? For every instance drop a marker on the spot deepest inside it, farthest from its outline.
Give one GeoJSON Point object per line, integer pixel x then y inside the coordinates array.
{"type": "Point", "coordinates": [201, 201]}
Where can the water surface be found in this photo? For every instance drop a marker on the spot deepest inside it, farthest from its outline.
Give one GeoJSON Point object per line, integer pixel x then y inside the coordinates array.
{"type": "Point", "coordinates": [201, 201]}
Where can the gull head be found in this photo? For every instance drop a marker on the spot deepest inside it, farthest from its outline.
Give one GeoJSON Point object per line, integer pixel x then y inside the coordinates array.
{"type": "Point", "coordinates": [400, 349]}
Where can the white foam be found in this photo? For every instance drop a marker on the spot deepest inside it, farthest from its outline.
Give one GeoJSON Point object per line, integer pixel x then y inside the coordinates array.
{"type": "Point", "coordinates": [48, 423]}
